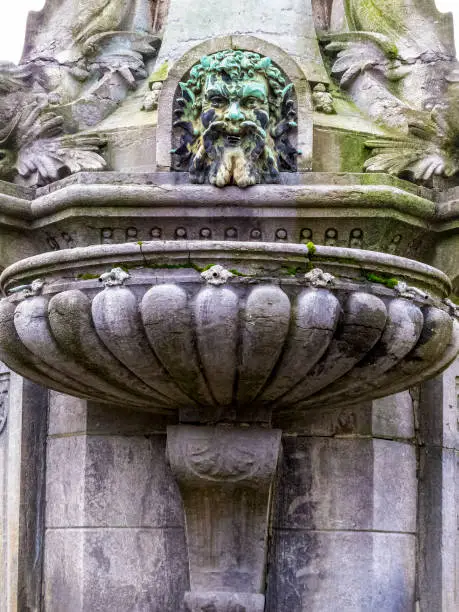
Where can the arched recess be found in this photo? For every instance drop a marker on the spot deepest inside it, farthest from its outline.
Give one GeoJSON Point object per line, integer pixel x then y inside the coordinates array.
{"type": "Point", "coordinates": [246, 43]}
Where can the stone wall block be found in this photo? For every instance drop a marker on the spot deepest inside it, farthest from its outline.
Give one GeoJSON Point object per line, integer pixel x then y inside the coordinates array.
{"type": "Point", "coordinates": [65, 481]}
{"type": "Point", "coordinates": [67, 414]}
{"type": "Point", "coordinates": [329, 483]}
{"type": "Point", "coordinates": [115, 569]}
{"type": "Point", "coordinates": [395, 486]}
{"type": "Point", "coordinates": [393, 416]}
{"type": "Point", "coordinates": [102, 481]}
{"type": "Point", "coordinates": [314, 571]}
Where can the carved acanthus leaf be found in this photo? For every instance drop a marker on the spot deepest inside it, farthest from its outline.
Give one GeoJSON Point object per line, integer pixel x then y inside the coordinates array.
{"type": "Point", "coordinates": [34, 145]}
{"type": "Point", "coordinates": [431, 150]}
{"type": "Point", "coordinates": [353, 58]}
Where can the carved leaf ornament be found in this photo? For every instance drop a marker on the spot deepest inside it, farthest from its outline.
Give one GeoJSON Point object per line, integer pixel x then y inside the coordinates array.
{"type": "Point", "coordinates": [380, 52]}
{"type": "Point", "coordinates": [34, 145]}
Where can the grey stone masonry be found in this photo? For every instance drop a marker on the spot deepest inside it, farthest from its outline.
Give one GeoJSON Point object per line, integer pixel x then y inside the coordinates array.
{"type": "Point", "coordinates": [438, 577]}
{"type": "Point", "coordinates": [114, 523]}
{"type": "Point", "coordinates": [23, 408]}
{"type": "Point", "coordinates": [344, 533]}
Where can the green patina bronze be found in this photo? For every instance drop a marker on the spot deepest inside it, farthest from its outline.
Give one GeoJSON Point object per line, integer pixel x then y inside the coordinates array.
{"type": "Point", "coordinates": [236, 111]}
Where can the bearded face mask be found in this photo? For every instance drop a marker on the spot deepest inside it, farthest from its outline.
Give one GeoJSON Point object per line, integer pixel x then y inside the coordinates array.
{"type": "Point", "coordinates": [235, 112]}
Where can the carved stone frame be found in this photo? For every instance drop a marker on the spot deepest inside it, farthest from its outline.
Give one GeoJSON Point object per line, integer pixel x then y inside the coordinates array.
{"type": "Point", "coordinates": [248, 43]}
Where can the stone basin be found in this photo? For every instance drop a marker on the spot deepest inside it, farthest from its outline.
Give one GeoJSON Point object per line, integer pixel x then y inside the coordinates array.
{"type": "Point", "coordinates": [225, 331]}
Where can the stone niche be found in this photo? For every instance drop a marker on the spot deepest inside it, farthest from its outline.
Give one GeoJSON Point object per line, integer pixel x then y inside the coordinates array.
{"type": "Point", "coordinates": [229, 320]}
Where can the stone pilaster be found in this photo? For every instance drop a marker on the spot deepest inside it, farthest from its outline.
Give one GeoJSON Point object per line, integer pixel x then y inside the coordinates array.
{"type": "Point", "coordinates": [23, 416]}
{"type": "Point", "coordinates": [438, 581]}
{"type": "Point", "coordinates": [225, 475]}
{"type": "Point", "coordinates": [114, 524]}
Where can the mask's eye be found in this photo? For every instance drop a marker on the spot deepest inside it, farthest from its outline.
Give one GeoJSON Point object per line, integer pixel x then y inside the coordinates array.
{"type": "Point", "coordinates": [251, 102]}
{"type": "Point", "coordinates": [218, 101]}
{"type": "Point", "coordinates": [2, 154]}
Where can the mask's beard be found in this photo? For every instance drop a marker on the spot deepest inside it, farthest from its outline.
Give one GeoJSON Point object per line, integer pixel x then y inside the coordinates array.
{"type": "Point", "coordinates": [229, 153]}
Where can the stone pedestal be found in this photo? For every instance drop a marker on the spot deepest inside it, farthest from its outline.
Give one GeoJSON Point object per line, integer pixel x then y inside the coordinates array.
{"type": "Point", "coordinates": [114, 524]}
{"type": "Point", "coordinates": [225, 476]}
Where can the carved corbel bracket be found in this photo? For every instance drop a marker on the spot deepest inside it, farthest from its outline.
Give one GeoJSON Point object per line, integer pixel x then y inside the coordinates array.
{"type": "Point", "coordinates": [225, 475]}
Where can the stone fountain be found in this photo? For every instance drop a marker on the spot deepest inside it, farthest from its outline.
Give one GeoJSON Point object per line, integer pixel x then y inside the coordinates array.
{"type": "Point", "coordinates": [216, 274]}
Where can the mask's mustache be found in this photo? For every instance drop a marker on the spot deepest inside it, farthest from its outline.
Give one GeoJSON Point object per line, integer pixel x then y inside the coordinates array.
{"type": "Point", "coordinates": [229, 128]}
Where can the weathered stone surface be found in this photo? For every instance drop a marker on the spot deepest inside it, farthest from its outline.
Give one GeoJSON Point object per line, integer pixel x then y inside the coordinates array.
{"type": "Point", "coordinates": [438, 492]}
{"type": "Point", "coordinates": [292, 29]}
{"type": "Point", "coordinates": [315, 333]}
{"type": "Point", "coordinates": [225, 476]}
{"type": "Point", "coordinates": [116, 481]}
{"type": "Point", "coordinates": [22, 489]}
{"type": "Point", "coordinates": [104, 216]}
{"type": "Point", "coordinates": [114, 520]}
{"type": "Point", "coordinates": [341, 484]}
{"type": "Point", "coordinates": [393, 416]}
{"type": "Point", "coordinates": [339, 570]}
{"type": "Point", "coordinates": [224, 602]}
{"type": "Point", "coordinates": [115, 569]}
{"type": "Point", "coordinates": [67, 414]}
{"type": "Point", "coordinates": [71, 415]}
{"type": "Point", "coordinates": [115, 344]}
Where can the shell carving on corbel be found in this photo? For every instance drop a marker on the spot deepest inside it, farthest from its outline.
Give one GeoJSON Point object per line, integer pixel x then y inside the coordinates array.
{"type": "Point", "coordinates": [219, 459]}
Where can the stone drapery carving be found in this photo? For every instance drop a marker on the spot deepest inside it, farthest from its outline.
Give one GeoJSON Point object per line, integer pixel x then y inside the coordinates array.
{"type": "Point", "coordinates": [236, 111]}
{"type": "Point", "coordinates": [397, 63]}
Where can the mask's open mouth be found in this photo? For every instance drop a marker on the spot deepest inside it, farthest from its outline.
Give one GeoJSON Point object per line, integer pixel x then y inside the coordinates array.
{"type": "Point", "coordinates": [232, 141]}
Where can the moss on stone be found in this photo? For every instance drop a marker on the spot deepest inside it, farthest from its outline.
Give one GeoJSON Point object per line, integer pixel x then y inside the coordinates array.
{"type": "Point", "coordinates": [311, 248]}
{"type": "Point", "coordinates": [390, 282]}
{"type": "Point", "coordinates": [160, 74]}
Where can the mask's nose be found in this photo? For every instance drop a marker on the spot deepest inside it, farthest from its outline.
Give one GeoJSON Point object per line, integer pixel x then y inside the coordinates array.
{"type": "Point", "coordinates": [234, 113]}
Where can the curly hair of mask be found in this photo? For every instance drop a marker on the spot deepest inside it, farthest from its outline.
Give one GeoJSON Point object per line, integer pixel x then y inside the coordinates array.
{"type": "Point", "coordinates": [239, 65]}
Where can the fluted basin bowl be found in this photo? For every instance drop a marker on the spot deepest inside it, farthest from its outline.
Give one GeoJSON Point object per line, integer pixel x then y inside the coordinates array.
{"type": "Point", "coordinates": [225, 330]}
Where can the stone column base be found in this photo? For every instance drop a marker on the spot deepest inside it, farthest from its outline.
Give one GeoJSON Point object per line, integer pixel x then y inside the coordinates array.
{"type": "Point", "coordinates": [208, 601]}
